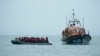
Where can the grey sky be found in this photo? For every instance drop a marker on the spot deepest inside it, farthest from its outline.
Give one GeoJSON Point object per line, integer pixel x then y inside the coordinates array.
{"type": "Point", "coordinates": [46, 17]}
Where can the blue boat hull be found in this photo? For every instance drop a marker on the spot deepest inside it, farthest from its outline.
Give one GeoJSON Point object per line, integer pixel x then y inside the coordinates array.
{"type": "Point", "coordinates": [78, 39]}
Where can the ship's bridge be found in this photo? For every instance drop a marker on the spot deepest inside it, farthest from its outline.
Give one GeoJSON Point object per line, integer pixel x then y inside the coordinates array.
{"type": "Point", "coordinates": [74, 22]}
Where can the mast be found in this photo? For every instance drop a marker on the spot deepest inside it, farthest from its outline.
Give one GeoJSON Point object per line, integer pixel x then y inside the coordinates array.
{"type": "Point", "coordinates": [73, 13]}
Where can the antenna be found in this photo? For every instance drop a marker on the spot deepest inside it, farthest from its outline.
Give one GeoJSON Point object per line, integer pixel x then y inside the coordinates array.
{"type": "Point", "coordinates": [73, 13]}
{"type": "Point", "coordinates": [66, 21]}
{"type": "Point", "coordinates": [83, 21]}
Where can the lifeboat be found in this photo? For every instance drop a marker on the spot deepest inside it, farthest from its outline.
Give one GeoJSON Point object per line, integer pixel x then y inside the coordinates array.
{"type": "Point", "coordinates": [31, 40]}
{"type": "Point", "coordinates": [74, 33]}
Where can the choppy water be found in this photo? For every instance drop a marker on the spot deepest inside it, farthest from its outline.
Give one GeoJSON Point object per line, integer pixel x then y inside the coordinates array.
{"type": "Point", "coordinates": [57, 49]}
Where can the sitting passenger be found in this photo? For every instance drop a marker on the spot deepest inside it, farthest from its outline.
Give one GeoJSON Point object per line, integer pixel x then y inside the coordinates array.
{"type": "Point", "coordinates": [42, 40]}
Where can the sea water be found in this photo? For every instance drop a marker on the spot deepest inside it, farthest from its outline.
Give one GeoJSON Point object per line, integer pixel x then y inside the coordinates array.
{"type": "Point", "coordinates": [57, 49]}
